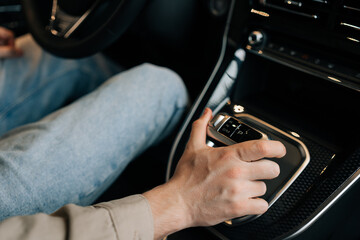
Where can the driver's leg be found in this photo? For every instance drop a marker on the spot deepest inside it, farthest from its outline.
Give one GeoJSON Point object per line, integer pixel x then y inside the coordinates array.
{"type": "Point", "coordinates": [74, 154]}
{"type": "Point", "coordinates": [39, 83]}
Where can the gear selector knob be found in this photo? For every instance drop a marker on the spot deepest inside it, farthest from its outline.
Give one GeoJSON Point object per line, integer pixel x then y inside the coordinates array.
{"type": "Point", "coordinates": [230, 130]}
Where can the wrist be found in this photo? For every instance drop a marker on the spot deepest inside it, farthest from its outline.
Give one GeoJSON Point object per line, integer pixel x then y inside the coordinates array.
{"type": "Point", "coordinates": [170, 212]}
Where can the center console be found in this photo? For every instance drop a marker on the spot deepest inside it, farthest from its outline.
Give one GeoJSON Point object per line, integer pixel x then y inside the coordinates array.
{"type": "Point", "coordinates": [299, 84]}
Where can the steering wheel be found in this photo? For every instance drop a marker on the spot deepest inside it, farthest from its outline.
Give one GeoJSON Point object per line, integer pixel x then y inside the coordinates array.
{"type": "Point", "coordinates": [79, 28]}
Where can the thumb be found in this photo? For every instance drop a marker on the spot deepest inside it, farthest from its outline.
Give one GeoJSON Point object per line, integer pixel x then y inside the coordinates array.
{"type": "Point", "coordinates": [199, 127]}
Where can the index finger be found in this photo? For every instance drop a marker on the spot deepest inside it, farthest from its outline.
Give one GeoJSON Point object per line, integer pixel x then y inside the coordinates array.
{"type": "Point", "coordinates": [258, 149]}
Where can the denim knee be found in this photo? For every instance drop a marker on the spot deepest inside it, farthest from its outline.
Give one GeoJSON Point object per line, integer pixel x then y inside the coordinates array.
{"type": "Point", "coordinates": [170, 82]}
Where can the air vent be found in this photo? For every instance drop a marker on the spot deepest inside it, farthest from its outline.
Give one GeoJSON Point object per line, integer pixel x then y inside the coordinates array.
{"type": "Point", "coordinates": [348, 22]}
{"type": "Point", "coordinates": [352, 6]}
{"type": "Point", "coordinates": [311, 9]}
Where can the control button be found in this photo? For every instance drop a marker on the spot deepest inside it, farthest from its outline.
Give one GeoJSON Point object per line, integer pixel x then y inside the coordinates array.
{"type": "Point", "coordinates": [327, 64]}
{"type": "Point", "coordinates": [229, 127]}
{"type": "Point", "coordinates": [292, 53]}
{"type": "Point", "coordinates": [330, 65]}
{"type": "Point", "coordinates": [210, 143]}
{"type": "Point", "coordinates": [218, 119]}
{"type": "Point", "coordinates": [282, 49]}
{"type": "Point", "coordinates": [305, 56]}
{"type": "Point", "coordinates": [256, 38]}
{"type": "Point", "coordinates": [238, 136]}
{"type": "Point", "coordinates": [293, 3]}
{"type": "Point", "coordinates": [320, 1]}
{"type": "Point", "coordinates": [252, 134]}
{"type": "Point", "coordinates": [273, 46]}
{"type": "Point", "coordinates": [317, 61]}
{"type": "Point", "coordinates": [313, 60]}
{"type": "Point", "coordinates": [245, 133]}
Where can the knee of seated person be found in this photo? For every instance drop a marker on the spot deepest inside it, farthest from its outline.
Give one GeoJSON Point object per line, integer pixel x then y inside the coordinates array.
{"type": "Point", "coordinates": [168, 81]}
{"type": "Point", "coordinates": [159, 74]}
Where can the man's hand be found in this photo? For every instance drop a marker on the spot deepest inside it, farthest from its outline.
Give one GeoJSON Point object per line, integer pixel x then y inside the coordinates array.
{"type": "Point", "coordinates": [211, 185]}
{"type": "Point", "coordinates": [7, 44]}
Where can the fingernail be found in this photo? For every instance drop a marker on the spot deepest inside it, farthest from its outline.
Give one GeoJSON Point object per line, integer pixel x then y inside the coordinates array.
{"type": "Point", "coordinates": [206, 111]}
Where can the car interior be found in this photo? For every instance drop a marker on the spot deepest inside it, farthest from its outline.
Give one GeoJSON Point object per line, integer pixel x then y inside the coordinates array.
{"type": "Point", "coordinates": [287, 70]}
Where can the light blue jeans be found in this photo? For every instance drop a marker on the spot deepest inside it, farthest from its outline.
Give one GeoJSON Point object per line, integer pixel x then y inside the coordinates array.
{"type": "Point", "coordinates": [52, 155]}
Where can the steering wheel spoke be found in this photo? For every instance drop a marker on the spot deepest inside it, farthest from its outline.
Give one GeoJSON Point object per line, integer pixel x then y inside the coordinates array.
{"type": "Point", "coordinates": [62, 24]}
{"type": "Point", "coordinates": [79, 28]}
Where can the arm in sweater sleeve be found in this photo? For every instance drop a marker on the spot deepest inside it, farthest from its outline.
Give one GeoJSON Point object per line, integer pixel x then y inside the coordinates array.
{"type": "Point", "coordinates": [126, 218]}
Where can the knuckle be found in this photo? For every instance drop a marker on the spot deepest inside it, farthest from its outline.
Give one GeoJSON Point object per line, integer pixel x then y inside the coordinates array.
{"type": "Point", "coordinates": [263, 148]}
{"type": "Point", "coordinates": [190, 148]}
{"type": "Point", "coordinates": [227, 156]}
{"type": "Point", "coordinates": [235, 172]}
{"type": "Point", "coordinates": [233, 191]}
{"type": "Point", "coordinates": [238, 208]}
{"type": "Point", "coordinates": [231, 173]}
